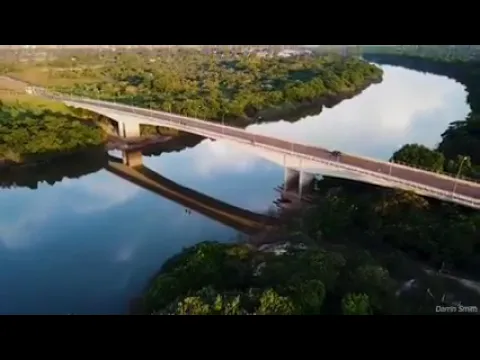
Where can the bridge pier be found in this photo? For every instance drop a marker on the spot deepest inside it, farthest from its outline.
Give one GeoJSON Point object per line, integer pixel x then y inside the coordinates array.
{"type": "Point", "coordinates": [295, 179]}
{"type": "Point", "coordinates": [128, 129]}
{"type": "Point", "coordinates": [132, 158]}
{"type": "Point", "coordinates": [304, 179]}
{"type": "Point", "coordinates": [290, 177]}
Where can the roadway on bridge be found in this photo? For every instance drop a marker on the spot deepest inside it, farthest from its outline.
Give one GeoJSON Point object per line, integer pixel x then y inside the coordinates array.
{"type": "Point", "coordinates": [444, 183]}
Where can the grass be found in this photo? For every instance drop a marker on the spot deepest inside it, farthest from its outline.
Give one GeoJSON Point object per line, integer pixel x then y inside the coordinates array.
{"type": "Point", "coordinates": [50, 77]}
{"type": "Point", "coordinates": [13, 93]}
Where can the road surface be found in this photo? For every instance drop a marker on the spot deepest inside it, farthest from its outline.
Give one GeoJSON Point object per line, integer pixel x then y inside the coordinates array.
{"type": "Point", "coordinates": [431, 179]}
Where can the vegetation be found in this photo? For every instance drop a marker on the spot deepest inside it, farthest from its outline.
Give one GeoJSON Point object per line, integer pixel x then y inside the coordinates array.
{"type": "Point", "coordinates": [434, 160]}
{"type": "Point", "coordinates": [224, 87]}
{"type": "Point", "coordinates": [443, 53]}
{"type": "Point", "coordinates": [236, 280]}
{"type": "Point", "coordinates": [34, 129]}
{"type": "Point", "coordinates": [71, 166]}
{"type": "Point", "coordinates": [36, 133]}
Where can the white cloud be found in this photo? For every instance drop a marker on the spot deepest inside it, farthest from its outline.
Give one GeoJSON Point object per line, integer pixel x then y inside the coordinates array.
{"type": "Point", "coordinates": [99, 192]}
{"type": "Point", "coordinates": [19, 227]}
{"type": "Point", "coordinates": [405, 107]}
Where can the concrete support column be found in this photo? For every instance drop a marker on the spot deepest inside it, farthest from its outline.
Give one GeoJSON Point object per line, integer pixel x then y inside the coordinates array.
{"type": "Point", "coordinates": [132, 158]}
{"type": "Point", "coordinates": [128, 129]}
{"type": "Point", "coordinates": [290, 178]}
{"type": "Point", "coordinates": [300, 184]}
{"type": "Point", "coordinates": [304, 179]}
{"type": "Point", "coordinates": [290, 174]}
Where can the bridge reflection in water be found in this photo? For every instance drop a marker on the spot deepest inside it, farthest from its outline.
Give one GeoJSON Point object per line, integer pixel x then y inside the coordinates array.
{"type": "Point", "coordinates": [132, 169]}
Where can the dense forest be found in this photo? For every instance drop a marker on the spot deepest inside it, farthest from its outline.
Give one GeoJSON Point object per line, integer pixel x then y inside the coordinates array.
{"type": "Point", "coordinates": [31, 134]}
{"type": "Point", "coordinates": [225, 88]}
{"type": "Point", "coordinates": [442, 53]}
{"type": "Point", "coordinates": [210, 86]}
{"type": "Point", "coordinates": [358, 249]}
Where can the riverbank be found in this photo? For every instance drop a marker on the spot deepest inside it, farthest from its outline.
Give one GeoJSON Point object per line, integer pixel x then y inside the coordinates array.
{"type": "Point", "coordinates": [219, 87]}
{"type": "Point", "coordinates": [289, 111]}
{"type": "Point", "coordinates": [71, 166]}
{"type": "Point", "coordinates": [47, 160]}
{"type": "Point", "coordinates": [295, 111]}
{"type": "Point", "coordinates": [138, 143]}
{"type": "Point", "coordinates": [142, 143]}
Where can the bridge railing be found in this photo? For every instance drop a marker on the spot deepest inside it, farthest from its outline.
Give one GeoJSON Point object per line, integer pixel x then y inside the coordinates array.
{"type": "Point", "coordinates": [396, 163]}
{"type": "Point", "coordinates": [291, 151]}
{"type": "Point", "coordinates": [447, 195]}
{"type": "Point", "coordinates": [447, 174]}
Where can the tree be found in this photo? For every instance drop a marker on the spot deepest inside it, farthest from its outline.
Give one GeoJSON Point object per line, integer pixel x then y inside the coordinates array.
{"type": "Point", "coordinates": [271, 303]}
{"type": "Point", "coordinates": [461, 166]}
{"type": "Point", "coordinates": [356, 304]}
{"type": "Point", "coordinates": [193, 306]}
{"type": "Point", "coordinates": [419, 156]}
{"type": "Point", "coordinates": [309, 296]}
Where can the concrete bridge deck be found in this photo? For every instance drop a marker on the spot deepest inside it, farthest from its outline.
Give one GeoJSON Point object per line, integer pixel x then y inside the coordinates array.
{"type": "Point", "coordinates": [304, 158]}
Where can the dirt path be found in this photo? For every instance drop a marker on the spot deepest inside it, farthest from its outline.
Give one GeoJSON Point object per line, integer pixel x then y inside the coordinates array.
{"type": "Point", "coordinates": [12, 84]}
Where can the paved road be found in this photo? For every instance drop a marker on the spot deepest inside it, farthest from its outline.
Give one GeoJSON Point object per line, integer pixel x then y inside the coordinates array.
{"type": "Point", "coordinates": [448, 184]}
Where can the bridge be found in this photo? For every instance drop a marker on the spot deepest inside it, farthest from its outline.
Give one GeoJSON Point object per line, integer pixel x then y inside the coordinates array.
{"type": "Point", "coordinates": [297, 159]}
{"type": "Point", "coordinates": [242, 220]}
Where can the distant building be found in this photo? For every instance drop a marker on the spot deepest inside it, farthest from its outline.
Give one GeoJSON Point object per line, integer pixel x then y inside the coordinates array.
{"type": "Point", "coordinates": [288, 52]}
{"type": "Point", "coordinates": [261, 54]}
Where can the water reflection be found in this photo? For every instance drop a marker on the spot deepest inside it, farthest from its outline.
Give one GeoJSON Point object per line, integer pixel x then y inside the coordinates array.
{"type": "Point", "coordinates": [73, 166]}
{"type": "Point", "coordinates": [234, 217]}
{"type": "Point", "coordinates": [89, 245]}
{"type": "Point", "coordinates": [407, 106]}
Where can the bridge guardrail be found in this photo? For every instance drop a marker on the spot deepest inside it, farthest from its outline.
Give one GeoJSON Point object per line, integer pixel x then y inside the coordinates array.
{"type": "Point", "coordinates": [446, 194]}
{"type": "Point", "coordinates": [395, 163]}
{"type": "Point", "coordinates": [443, 173]}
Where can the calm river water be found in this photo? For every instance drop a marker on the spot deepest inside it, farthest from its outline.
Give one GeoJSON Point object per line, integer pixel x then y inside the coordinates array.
{"type": "Point", "coordinates": [90, 245]}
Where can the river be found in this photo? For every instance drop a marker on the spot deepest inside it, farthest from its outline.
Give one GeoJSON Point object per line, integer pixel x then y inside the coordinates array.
{"type": "Point", "coordinates": [89, 245]}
